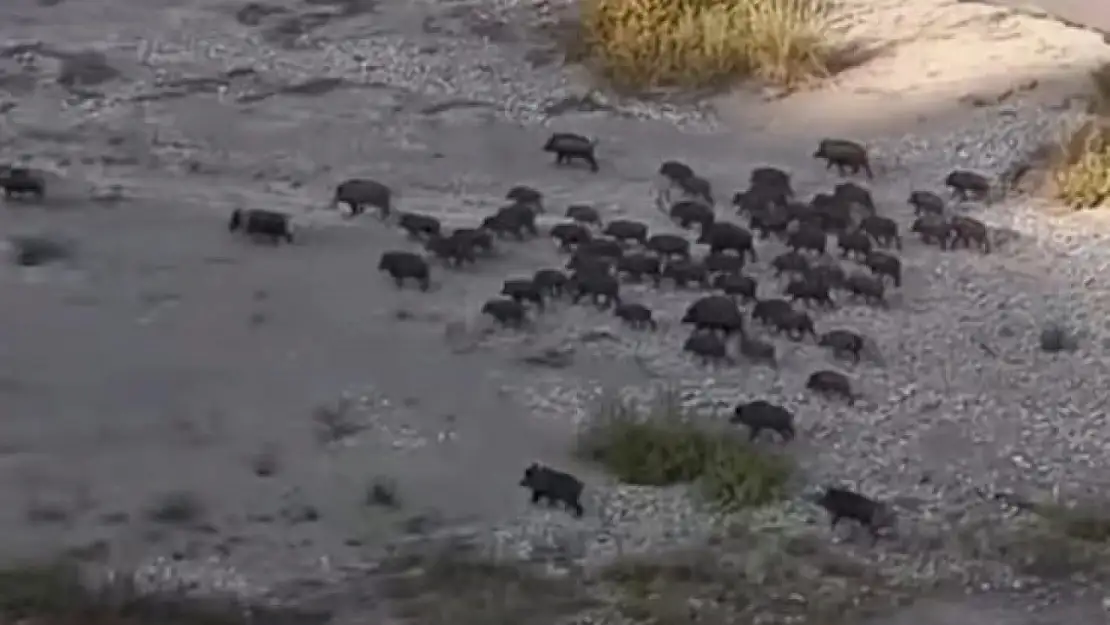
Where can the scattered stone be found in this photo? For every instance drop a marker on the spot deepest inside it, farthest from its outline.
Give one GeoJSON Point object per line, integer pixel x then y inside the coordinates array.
{"type": "Point", "coordinates": [1056, 338]}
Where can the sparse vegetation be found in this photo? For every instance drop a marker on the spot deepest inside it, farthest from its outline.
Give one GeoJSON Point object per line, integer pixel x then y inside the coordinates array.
{"type": "Point", "coordinates": [1053, 541]}
{"type": "Point", "coordinates": [176, 508]}
{"type": "Point", "coordinates": [754, 575]}
{"type": "Point", "coordinates": [382, 492]}
{"type": "Point", "coordinates": [1080, 168]}
{"type": "Point", "coordinates": [668, 444]}
{"type": "Point", "coordinates": [451, 585]}
{"type": "Point", "coordinates": [334, 422]}
{"type": "Point", "coordinates": [56, 593]}
{"type": "Point", "coordinates": [703, 43]}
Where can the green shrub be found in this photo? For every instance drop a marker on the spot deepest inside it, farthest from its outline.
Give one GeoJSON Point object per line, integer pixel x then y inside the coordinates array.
{"type": "Point", "coordinates": [665, 444]}
{"type": "Point", "coordinates": [702, 43]}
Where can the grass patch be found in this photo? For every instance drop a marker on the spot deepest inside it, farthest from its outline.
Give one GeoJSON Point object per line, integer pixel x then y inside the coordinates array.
{"type": "Point", "coordinates": [666, 444]}
{"type": "Point", "coordinates": [640, 44]}
{"type": "Point", "coordinates": [56, 593]}
{"type": "Point", "coordinates": [1080, 169]}
{"type": "Point", "coordinates": [451, 585]}
{"type": "Point", "coordinates": [1053, 542]}
{"type": "Point", "coordinates": [755, 576]}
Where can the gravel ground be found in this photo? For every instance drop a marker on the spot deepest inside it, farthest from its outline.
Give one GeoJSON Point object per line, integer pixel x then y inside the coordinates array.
{"type": "Point", "coordinates": [438, 100]}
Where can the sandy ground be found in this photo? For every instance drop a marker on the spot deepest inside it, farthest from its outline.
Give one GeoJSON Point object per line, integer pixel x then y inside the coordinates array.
{"type": "Point", "coordinates": [170, 359]}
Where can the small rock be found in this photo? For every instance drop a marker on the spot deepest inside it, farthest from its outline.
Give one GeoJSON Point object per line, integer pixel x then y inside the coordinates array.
{"type": "Point", "coordinates": [1055, 338]}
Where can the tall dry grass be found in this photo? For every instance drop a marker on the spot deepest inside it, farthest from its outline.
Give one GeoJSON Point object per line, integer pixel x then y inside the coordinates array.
{"type": "Point", "coordinates": [1080, 172]}
{"type": "Point", "coordinates": [638, 44]}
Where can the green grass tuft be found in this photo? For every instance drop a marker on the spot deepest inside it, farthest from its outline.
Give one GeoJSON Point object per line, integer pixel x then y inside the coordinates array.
{"type": "Point", "coordinates": [667, 444]}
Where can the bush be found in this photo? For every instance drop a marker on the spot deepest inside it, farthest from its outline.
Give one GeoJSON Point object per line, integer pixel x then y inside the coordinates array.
{"type": "Point", "coordinates": [1081, 176]}
{"type": "Point", "coordinates": [57, 593]}
{"type": "Point", "coordinates": [441, 583]}
{"type": "Point", "coordinates": [1081, 168]}
{"type": "Point", "coordinates": [753, 576]}
{"type": "Point", "coordinates": [702, 43]}
{"type": "Point", "coordinates": [665, 445]}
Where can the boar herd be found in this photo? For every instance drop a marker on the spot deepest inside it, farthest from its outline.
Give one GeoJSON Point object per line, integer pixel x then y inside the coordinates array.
{"type": "Point", "coordinates": [835, 247]}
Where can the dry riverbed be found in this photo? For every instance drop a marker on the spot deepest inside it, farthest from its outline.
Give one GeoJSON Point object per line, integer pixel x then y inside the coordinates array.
{"type": "Point", "coordinates": [250, 418]}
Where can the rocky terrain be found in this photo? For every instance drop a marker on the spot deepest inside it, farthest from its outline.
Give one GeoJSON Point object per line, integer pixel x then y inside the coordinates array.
{"type": "Point", "coordinates": [247, 416]}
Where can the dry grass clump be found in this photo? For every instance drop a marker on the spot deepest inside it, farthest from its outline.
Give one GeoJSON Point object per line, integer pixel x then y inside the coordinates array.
{"type": "Point", "coordinates": [640, 44]}
{"type": "Point", "coordinates": [56, 593]}
{"type": "Point", "coordinates": [755, 575]}
{"type": "Point", "coordinates": [449, 584]}
{"type": "Point", "coordinates": [665, 444]}
{"type": "Point", "coordinates": [1080, 171]}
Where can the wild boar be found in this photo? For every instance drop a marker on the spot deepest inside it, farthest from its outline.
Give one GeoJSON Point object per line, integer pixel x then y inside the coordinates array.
{"type": "Point", "coordinates": [636, 315]}
{"type": "Point", "coordinates": [523, 290]}
{"type": "Point", "coordinates": [418, 226]}
{"type": "Point", "coordinates": [603, 289]}
{"type": "Point", "coordinates": [807, 239]}
{"type": "Point", "coordinates": [845, 155]}
{"type": "Point", "coordinates": [809, 292]}
{"type": "Point", "coordinates": [404, 265]}
{"type": "Point", "coordinates": [625, 230]}
{"type": "Point", "coordinates": [568, 147]}
{"type": "Point", "coordinates": [550, 282]}
{"type": "Point", "coordinates": [453, 250]}
{"type": "Point", "coordinates": [507, 312]}
{"type": "Point", "coordinates": [968, 230]}
{"type": "Point", "coordinates": [638, 266]}
{"type": "Point", "coordinates": [851, 193]}
{"type": "Point", "coordinates": [854, 243]}
{"type": "Point", "coordinates": [762, 415]}
{"type": "Point", "coordinates": [20, 182]}
{"type": "Point", "coordinates": [841, 503]}
{"type": "Point", "coordinates": [870, 288]}
{"type": "Point", "coordinates": [795, 325]}
{"type": "Point", "coordinates": [926, 203]}
{"type": "Point", "coordinates": [831, 383]}
{"type": "Point", "coordinates": [885, 265]}
{"type": "Point", "coordinates": [790, 263]}
{"type": "Point", "coordinates": [707, 346]}
{"type": "Point", "coordinates": [758, 351]}
{"type": "Point", "coordinates": [932, 229]}
{"type": "Point", "coordinates": [554, 486]}
{"type": "Point", "coordinates": [258, 222]}
{"type": "Point", "coordinates": [883, 229]}
{"type": "Point", "coordinates": [687, 213]}
{"type": "Point", "coordinates": [685, 272]}
{"type": "Point", "coordinates": [358, 193]}
{"type": "Point", "coordinates": [843, 342]}
{"type": "Point", "coordinates": [771, 178]}
{"type": "Point", "coordinates": [723, 236]}
{"type": "Point", "coordinates": [570, 235]}
{"type": "Point", "coordinates": [716, 313]}
{"type": "Point", "coordinates": [968, 185]}
{"type": "Point", "coordinates": [669, 246]}
{"type": "Point", "coordinates": [584, 214]}
{"type": "Point", "coordinates": [527, 196]}
{"type": "Point", "coordinates": [736, 285]}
